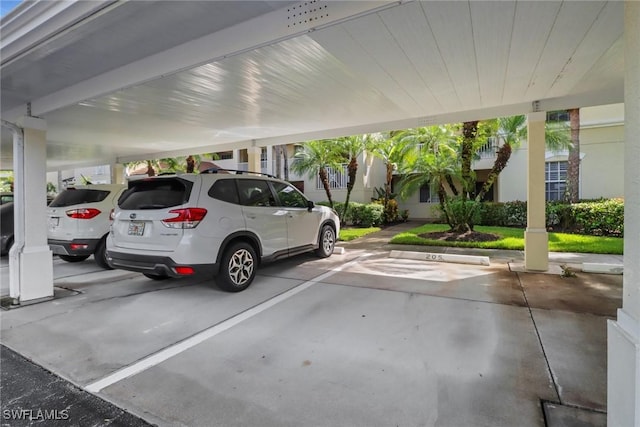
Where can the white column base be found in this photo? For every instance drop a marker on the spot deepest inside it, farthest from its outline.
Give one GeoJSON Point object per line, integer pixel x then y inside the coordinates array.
{"type": "Point", "coordinates": [536, 249]}
{"type": "Point", "coordinates": [36, 273]}
{"type": "Point", "coordinates": [623, 371]}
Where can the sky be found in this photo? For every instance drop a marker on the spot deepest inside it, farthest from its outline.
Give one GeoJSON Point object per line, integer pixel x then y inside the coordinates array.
{"type": "Point", "coordinates": [7, 5]}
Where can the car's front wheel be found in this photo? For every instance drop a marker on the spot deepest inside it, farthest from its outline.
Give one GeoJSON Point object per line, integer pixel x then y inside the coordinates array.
{"type": "Point", "coordinates": [73, 258]}
{"type": "Point", "coordinates": [327, 241]}
{"type": "Point", "coordinates": [238, 267]}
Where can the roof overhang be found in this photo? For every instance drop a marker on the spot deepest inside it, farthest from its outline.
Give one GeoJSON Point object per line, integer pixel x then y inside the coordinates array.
{"type": "Point", "coordinates": [119, 81]}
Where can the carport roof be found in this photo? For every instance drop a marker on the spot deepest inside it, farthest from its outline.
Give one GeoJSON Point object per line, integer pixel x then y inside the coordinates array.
{"type": "Point", "coordinates": [119, 81]}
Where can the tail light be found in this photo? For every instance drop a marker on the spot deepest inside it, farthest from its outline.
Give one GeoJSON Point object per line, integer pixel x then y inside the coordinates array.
{"type": "Point", "coordinates": [83, 213]}
{"type": "Point", "coordinates": [185, 218]}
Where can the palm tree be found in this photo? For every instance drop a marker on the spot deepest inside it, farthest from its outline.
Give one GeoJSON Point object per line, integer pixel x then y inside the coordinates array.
{"type": "Point", "coordinates": [512, 130]}
{"type": "Point", "coordinates": [315, 157]}
{"type": "Point", "coordinates": [352, 147]}
{"type": "Point", "coordinates": [573, 164]}
{"type": "Point", "coordinates": [434, 164]}
{"type": "Point", "coordinates": [394, 150]}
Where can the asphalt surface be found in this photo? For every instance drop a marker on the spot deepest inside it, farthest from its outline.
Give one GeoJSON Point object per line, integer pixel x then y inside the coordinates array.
{"type": "Point", "coordinates": [355, 339]}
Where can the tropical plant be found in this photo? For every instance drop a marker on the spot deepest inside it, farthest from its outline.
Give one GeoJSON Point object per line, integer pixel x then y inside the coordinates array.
{"type": "Point", "coordinates": [352, 147]}
{"type": "Point", "coordinates": [395, 151]}
{"type": "Point", "coordinates": [315, 157]}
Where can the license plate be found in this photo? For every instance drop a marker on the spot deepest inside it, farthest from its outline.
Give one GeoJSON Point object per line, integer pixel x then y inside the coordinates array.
{"type": "Point", "coordinates": [54, 221]}
{"type": "Point", "coordinates": [136, 228]}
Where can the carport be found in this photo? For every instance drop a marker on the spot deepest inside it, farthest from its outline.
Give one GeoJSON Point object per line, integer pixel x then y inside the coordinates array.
{"type": "Point", "coordinates": [89, 82]}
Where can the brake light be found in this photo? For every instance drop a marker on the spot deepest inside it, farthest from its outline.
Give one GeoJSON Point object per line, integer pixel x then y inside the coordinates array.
{"type": "Point", "coordinates": [184, 271]}
{"type": "Point", "coordinates": [185, 218]}
{"type": "Point", "coordinates": [83, 213]}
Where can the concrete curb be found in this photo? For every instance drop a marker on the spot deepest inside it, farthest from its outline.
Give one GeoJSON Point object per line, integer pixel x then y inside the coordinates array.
{"type": "Point", "coordinates": [427, 256]}
{"type": "Point", "coordinates": [594, 267]}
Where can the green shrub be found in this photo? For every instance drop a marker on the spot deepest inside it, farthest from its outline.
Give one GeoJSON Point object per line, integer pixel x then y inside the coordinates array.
{"type": "Point", "coordinates": [391, 212]}
{"type": "Point", "coordinates": [368, 215]}
{"type": "Point", "coordinates": [601, 218]}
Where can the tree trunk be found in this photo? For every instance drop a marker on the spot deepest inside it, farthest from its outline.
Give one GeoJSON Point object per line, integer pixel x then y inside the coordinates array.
{"type": "Point", "coordinates": [324, 178]}
{"type": "Point", "coordinates": [191, 164]}
{"type": "Point", "coordinates": [452, 186]}
{"type": "Point", "coordinates": [276, 151]}
{"type": "Point", "coordinates": [353, 170]}
{"type": "Point", "coordinates": [285, 159]}
{"type": "Point", "coordinates": [387, 184]}
{"type": "Point", "coordinates": [502, 158]}
{"type": "Point", "coordinates": [150, 170]}
{"type": "Point", "coordinates": [573, 165]}
{"type": "Point", "coordinates": [469, 132]}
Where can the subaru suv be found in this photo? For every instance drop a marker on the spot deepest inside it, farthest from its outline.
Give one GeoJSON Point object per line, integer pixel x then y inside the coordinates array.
{"type": "Point", "coordinates": [79, 222]}
{"type": "Point", "coordinates": [215, 223]}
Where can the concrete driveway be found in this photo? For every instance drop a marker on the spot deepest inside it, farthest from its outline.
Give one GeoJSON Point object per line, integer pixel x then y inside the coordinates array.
{"type": "Point", "coordinates": [358, 339]}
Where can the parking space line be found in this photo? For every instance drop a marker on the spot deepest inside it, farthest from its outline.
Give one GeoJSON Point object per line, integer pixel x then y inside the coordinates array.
{"type": "Point", "coordinates": [162, 355]}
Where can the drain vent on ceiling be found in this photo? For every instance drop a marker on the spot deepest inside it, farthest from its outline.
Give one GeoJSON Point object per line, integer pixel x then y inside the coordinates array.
{"type": "Point", "coordinates": [305, 13]}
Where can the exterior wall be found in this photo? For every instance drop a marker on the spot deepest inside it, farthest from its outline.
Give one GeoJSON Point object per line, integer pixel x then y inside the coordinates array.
{"type": "Point", "coordinates": [602, 153]}
{"type": "Point", "coordinates": [371, 174]}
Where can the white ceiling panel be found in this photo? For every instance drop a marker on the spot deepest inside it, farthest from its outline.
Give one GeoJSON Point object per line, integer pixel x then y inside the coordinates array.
{"type": "Point", "coordinates": [143, 79]}
{"type": "Point", "coordinates": [493, 32]}
{"type": "Point", "coordinates": [452, 29]}
{"type": "Point", "coordinates": [572, 23]}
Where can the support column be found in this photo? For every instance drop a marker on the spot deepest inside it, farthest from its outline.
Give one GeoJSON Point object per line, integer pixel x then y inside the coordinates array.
{"type": "Point", "coordinates": [31, 264]}
{"type": "Point", "coordinates": [623, 365]}
{"type": "Point", "coordinates": [254, 159]}
{"type": "Point", "coordinates": [117, 174]}
{"type": "Point", "coordinates": [536, 240]}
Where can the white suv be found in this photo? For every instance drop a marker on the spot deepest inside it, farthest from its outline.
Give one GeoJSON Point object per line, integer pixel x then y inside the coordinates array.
{"type": "Point", "coordinates": [79, 222]}
{"type": "Point", "coordinates": [218, 224]}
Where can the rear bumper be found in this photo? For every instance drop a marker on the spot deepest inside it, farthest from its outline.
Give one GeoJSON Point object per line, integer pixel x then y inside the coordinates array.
{"type": "Point", "coordinates": [158, 265]}
{"type": "Point", "coordinates": [73, 247]}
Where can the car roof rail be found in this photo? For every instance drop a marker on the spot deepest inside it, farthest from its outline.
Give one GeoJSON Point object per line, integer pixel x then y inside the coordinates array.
{"type": "Point", "coordinates": [236, 171]}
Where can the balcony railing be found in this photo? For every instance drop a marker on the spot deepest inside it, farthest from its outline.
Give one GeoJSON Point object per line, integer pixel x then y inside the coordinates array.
{"type": "Point", "coordinates": [338, 178]}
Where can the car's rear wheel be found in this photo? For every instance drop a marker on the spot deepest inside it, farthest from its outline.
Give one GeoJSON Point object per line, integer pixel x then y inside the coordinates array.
{"type": "Point", "coordinates": [101, 255]}
{"type": "Point", "coordinates": [156, 276]}
{"type": "Point", "coordinates": [73, 258]}
{"type": "Point", "coordinates": [238, 267]}
{"type": "Point", "coordinates": [327, 242]}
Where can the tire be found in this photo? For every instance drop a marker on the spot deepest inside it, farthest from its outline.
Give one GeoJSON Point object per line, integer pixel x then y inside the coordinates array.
{"type": "Point", "coordinates": [238, 267]}
{"type": "Point", "coordinates": [156, 276]}
{"type": "Point", "coordinates": [101, 255]}
{"type": "Point", "coordinates": [8, 248]}
{"type": "Point", "coordinates": [73, 258]}
{"type": "Point", "coordinates": [327, 242]}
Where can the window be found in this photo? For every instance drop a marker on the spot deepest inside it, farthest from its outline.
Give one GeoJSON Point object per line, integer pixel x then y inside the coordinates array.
{"type": "Point", "coordinates": [558, 116]}
{"type": "Point", "coordinates": [428, 193]}
{"type": "Point", "coordinates": [225, 190]}
{"type": "Point", "coordinates": [289, 197]}
{"type": "Point", "coordinates": [72, 196]}
{"type": "Point", "coordinates": [155, 193]}
{"type": "Point", "coordinates": [224, 155]}
{"type": "Point", "coordinates": [254, 192]}
{"type": "Point", "coordinates": [555, 180]}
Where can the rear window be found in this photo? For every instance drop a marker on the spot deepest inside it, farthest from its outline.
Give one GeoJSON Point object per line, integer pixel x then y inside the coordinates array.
{"type": "Point", "coordinates": [77, 196]}
{"type": "Point", "coordinates": [155, 194]}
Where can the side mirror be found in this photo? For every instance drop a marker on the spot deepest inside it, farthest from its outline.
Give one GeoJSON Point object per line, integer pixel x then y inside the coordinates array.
{"type": "Point", "coordinates": [310, 205]}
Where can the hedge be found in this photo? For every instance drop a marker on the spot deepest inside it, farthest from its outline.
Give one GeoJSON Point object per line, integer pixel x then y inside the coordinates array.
{"type": "Point", "coordinates": [597, 217]}
{"type": "Point", "coordinates": [359, 214]}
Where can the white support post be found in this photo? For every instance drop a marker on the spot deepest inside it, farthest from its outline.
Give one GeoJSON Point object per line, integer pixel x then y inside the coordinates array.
{"type": "Point", "coordinates": [117, 173]}
{"type": "Point", "coordinates": [536, 240]}
{"type": "Point", "coordinates": [31, 264]}
{"type": "Point", "coordinates": [254, 159]}
{"type": "Point", "coordinates": [623, 364]}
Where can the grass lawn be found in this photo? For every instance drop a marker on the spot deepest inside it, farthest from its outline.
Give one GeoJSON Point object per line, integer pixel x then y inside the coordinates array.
{"type": "Point", "coordinates": [347, 234]}
{"type": "Point", "coordinates": [513, 238]}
